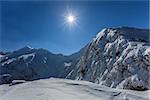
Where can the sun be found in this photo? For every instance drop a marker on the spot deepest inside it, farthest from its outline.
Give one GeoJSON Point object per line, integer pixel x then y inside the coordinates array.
{"type": "Point", "coordinates": [71, 18]}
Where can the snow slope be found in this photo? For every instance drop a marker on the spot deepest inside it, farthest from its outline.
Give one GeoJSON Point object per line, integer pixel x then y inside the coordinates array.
{"type": "Point", "coordinates": [63, 89]}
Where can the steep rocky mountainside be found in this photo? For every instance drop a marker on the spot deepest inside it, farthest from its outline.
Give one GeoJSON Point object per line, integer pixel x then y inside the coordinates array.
{"type": "Point", "coordinates": [30, 64]}
{"type": "Point", "coordinates": [116, 57]}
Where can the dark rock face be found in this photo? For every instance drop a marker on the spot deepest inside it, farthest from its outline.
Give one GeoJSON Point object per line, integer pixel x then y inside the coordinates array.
{"type": "Point", "coordinates": [6, 79]}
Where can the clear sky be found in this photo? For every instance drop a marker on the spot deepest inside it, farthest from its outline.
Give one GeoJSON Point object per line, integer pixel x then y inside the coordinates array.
{"type": "Point", "coordinates": [43, 25]}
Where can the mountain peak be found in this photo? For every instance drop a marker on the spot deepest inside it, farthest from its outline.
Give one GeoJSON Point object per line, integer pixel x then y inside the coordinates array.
{"type": "Point", "coordinates": [24, 49]}
{"type": "Point", "coordinates": [28, 47]}
{"type": "Point", "coordinates": [128, 33]}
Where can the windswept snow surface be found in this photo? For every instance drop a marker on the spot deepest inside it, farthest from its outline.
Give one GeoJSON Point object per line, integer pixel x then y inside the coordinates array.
{"type": "Point", "coordinates": [62, 89]}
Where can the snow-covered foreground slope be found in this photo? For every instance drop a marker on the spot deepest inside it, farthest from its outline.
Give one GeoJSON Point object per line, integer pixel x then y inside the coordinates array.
{"type": "Point", "coordinates": [62, 89]}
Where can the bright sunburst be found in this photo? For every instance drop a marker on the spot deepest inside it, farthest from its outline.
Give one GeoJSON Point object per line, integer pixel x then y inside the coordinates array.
{"type": "Point", "coordinates": [70, 18]}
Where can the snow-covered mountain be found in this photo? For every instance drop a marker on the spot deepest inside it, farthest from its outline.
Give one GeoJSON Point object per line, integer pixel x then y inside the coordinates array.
{"type": "Point", "coordinates": [30, 64]}
{"type": "Point", "coordinates": [62, 89]}
{"type": "Point", "coordinates": [116, 57]}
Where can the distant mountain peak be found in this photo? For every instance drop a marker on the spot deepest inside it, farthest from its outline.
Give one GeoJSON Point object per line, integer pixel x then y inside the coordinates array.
{"type": "Point", "coordinates": [28, 47]}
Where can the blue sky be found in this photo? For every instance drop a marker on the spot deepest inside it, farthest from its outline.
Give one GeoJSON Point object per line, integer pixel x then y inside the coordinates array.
{"type": "Point", "coordinates": [41, 24]}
